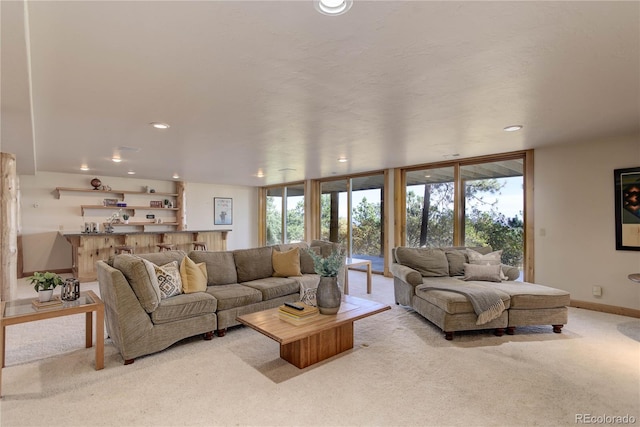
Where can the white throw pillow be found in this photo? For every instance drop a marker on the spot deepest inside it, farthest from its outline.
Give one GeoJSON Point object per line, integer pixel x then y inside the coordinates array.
{"type": "Point", "coordinates": [492, 258]}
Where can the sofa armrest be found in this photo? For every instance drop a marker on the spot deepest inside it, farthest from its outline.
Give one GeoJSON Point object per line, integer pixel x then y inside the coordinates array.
{"type": "Point", "coordinates": [406, 274]}
{"type": "Point", "coordinates": [512, 273]}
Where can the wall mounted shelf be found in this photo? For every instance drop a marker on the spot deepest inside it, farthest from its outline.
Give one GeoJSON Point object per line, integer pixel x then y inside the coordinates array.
{"type": "Point", "coordinates": [121, 193]}
{"type": "Point", "coordinates": [127, 208]}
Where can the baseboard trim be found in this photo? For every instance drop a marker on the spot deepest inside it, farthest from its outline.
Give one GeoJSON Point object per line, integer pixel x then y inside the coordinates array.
{"type": "Point", "coordinates": [611, 309]}
{"type": "Point", "coordinates": [59, 271]}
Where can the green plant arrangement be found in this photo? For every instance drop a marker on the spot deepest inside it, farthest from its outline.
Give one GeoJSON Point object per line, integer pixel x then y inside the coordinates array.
{"type": "Point", "coordinates": [45, 281]}
{"type": "Point", "coordinates": [125, 216]}
{"type": "Point", "coordinates": [329, 266]}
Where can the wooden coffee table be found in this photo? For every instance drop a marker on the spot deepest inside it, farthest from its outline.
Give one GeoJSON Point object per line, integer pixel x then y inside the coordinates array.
{"type": "Point", "coordinates": [312, 340]}
{"type": "Point", "coordinates": [22, 311]}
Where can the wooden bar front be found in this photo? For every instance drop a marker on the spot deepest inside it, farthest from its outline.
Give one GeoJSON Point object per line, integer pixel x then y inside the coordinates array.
{"type": "Point", "coordinates": [88, 248]}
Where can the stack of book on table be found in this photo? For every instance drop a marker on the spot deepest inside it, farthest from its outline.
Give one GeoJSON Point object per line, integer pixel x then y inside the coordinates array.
{"type": "Point", "coordinates": [53, 303]}
{"type": "Point", "coordinates": [297, 311]}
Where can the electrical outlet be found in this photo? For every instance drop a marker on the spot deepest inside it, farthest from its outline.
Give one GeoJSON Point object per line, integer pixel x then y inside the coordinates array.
{"type": "Point", "coordinates": [597, 291]}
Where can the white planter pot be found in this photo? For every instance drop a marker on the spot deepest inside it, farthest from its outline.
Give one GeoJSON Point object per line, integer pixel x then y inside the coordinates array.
{"type": "Point", "coordinates": [44, 296]}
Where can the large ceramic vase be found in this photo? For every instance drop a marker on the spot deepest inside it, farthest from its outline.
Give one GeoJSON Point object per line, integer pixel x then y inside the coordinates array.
{"type": "Point", "coordinates": [328, 295]}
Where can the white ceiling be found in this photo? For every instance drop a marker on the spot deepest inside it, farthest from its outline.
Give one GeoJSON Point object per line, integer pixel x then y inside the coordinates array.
{"type": "Point", "coordinates": [273, 85]}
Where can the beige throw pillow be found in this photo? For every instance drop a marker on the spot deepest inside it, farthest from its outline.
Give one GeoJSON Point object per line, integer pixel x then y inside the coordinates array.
{"type": "Point", "coordinates": [485, 273]}
{"type": "Point", "coordinates": [287, 263]}
{"type": "Point", "coordinates": [492, 258]}
{"type": "Point", "coordinates": [193, 276]}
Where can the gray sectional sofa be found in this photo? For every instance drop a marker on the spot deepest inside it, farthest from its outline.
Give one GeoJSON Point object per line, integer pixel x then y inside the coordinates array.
{"type": "Point", "coordinates": [141, 322]}
{"type": "Point", "coordinates": [432, 282]}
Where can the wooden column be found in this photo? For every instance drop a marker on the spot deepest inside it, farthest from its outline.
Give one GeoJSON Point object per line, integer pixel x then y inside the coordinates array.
{"type": "Point", "coordinates": [8, 227]}
{"type": "Point", "coordinates": [181, 201]}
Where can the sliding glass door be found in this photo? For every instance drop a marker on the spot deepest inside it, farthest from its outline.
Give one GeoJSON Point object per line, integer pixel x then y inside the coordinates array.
{"type": "Point", "coordinates": [289, 227]}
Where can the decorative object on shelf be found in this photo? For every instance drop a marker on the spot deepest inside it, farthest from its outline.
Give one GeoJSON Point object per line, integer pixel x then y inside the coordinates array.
{"type": "Point", "coordinates": [155, 203]}
{"type": "Point", "coordinates": [108, 228]}
{"type": "Point", "coordinates": [96, 183]}
{"type": "Point", "coordinates": [110, 202]}
{"type": "Point", "coordinates": [125, 218]}
{"type": "Point", "coordinates": [70, 290]}
{"type": "Point", "coordinates": [106, 188]}
{"type": "Point", "coordinates": [328, 294]}
{"type": "Point", "coordinates": [222, 211]}
{"type": "Point", "coordinates": [121, 204]}
{"type": "Point", "coordinates": [627, 208]}
{"type": "Point", "coordinates": [152, 190]}
{"type": "Point", "coordinates": [167, 203]}
{"type": "Point", "coordinates": [44, 284]}
{"type": "Point", "coordinates": [151, 216]}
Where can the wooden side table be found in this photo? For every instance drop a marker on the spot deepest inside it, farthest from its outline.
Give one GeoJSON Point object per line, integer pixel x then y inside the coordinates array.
{"type": "Point", "coordinates": [22, 311]}
{"type": "Point", "coordinates": [354, 262]}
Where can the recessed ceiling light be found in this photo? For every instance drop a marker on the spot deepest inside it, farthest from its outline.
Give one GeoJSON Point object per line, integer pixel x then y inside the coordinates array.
{"type": "Point", "coordinates": [160, 125]}
{"type": "Point", "coordinates": [332, 7]}
{"type": "Point", "coordinates": [84, 168]}
{"type": "Point", "coordinates": [175, 176]}
{"type": "Point", "coordinates": [512, 128]}
{"type": "Point", "coordinates": [260, 174]}
{"type": "Point", "coordinates": [342, 159]}
{"type": "Point", "coordinates": [131, 173]}
{"type": "Point", "coordinates": [427, 176]}
{"type": "Point", "coordinates": [116, 159]}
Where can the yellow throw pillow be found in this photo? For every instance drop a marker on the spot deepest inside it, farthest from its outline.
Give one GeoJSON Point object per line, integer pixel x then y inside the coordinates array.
{"type": "Point", "coordinates": [194, 276]}
{"type": "Point", "coordinates": [287, 263]}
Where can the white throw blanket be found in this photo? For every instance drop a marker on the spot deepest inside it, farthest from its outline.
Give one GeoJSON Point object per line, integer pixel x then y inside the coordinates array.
{"type": "Point", "coordinates": [486, 302]}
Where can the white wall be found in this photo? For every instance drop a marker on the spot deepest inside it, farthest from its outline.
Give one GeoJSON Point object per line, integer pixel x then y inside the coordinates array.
{"type": "Point", "coordinates": [575, 221]}
{"type": "Point", "coordinates": [44, 215]}
{"type": "Point", "coordinates": [199, 200]}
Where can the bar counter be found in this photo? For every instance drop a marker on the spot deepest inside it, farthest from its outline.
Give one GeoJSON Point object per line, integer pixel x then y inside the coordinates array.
{"type": "Point", "coordinates": [87, 248]}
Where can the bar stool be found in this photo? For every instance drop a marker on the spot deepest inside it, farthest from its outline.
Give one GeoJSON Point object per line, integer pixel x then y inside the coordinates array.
{"type": "Point", "coordinates": [199, 246]}
{"type": "Point", "coordinates": [166, 247]}
{"type": "Point", "coordinates": [123, 250]}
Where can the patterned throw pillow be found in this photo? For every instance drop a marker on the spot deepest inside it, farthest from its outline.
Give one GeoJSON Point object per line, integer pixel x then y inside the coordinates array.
{"type": "Point", "coordinates": [169, 280]}
{"type": "Point", "coordinates": [492, 258]}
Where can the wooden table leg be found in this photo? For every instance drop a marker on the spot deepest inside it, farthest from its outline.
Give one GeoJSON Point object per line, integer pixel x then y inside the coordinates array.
{"type": "Point", "coordinates": [89, 330]}
{"type": "Point", "coordinates": [346, 280]}
{"type": "Point", "coordinates": [99, 338]}
{"type": "Point", "coordinates": [369, 277]}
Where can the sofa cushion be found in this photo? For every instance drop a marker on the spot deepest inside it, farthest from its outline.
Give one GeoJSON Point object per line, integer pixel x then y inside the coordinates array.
{"type": "Point", "coordinates": [231, 296]}
{"type": "Point", "coordinates": [286, 263]}
{"type": "Point", "coordinates": [142, 278]}
{"type": "Point", "coordinates": [252, 264]}
{"type": "Point", "coordinates": [162, 258]}
{"type": "Point", "coordinates": [168, 277]}
{"type": "Point", "coordinates": [427, 261]}
{"type": "Point", "coordinates": [529, 296]}
{"type": "Point", "coordinates": [274, 287]}
{"type": "Point", "coordinates": [456, 259]}
{"type": "Point", "coordinates": [452, 302]}
{"type": "Point", "coordinates": [306, 262]}
{"type": "Point", "coordinates": [193, 276]}
{"type": "Point", "coordinates": [184, 306]}
{"type": "Point", "coordinates": [485, 273]}
{"type": "Point", "coordinates": [221, 266]}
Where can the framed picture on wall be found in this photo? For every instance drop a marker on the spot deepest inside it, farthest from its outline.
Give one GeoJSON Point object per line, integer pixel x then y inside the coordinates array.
{"type": "Point", "coordinates": [222, 211]}
{"type": "Point", "coordinates": [627, 199]}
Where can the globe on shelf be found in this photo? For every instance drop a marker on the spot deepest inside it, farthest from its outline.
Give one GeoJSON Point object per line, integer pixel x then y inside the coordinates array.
{"type": "Point", "coordinates": [96, 183]}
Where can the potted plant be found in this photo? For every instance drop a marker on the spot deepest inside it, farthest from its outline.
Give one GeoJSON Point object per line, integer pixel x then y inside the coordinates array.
{"type": "Point", "coordinates": [44, 284]}
{"type": "Point", "coordinates": [125, 218]}
{"type": "Point", "coordinates": [328, 294]}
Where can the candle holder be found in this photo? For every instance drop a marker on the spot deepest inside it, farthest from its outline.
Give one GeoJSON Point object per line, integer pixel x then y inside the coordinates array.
{"type": "Point", "coordinates": [70, 290]}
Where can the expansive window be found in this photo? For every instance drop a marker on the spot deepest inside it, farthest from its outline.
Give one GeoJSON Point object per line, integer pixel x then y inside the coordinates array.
{"type": "Point", "coordinates": [289, 227]}
{"type": "Point", "coordinates": [352, 215]}
{"type": "Point", "coordinates": [468, 203]}
{"type": "Point", "coordinates": [494, 207]}
{"type": "Point", "coordinates": [429, 199]}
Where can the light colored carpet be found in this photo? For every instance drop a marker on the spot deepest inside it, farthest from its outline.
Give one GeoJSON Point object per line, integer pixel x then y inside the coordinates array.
{"type": "Point", "coordinates": [401, 372]}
